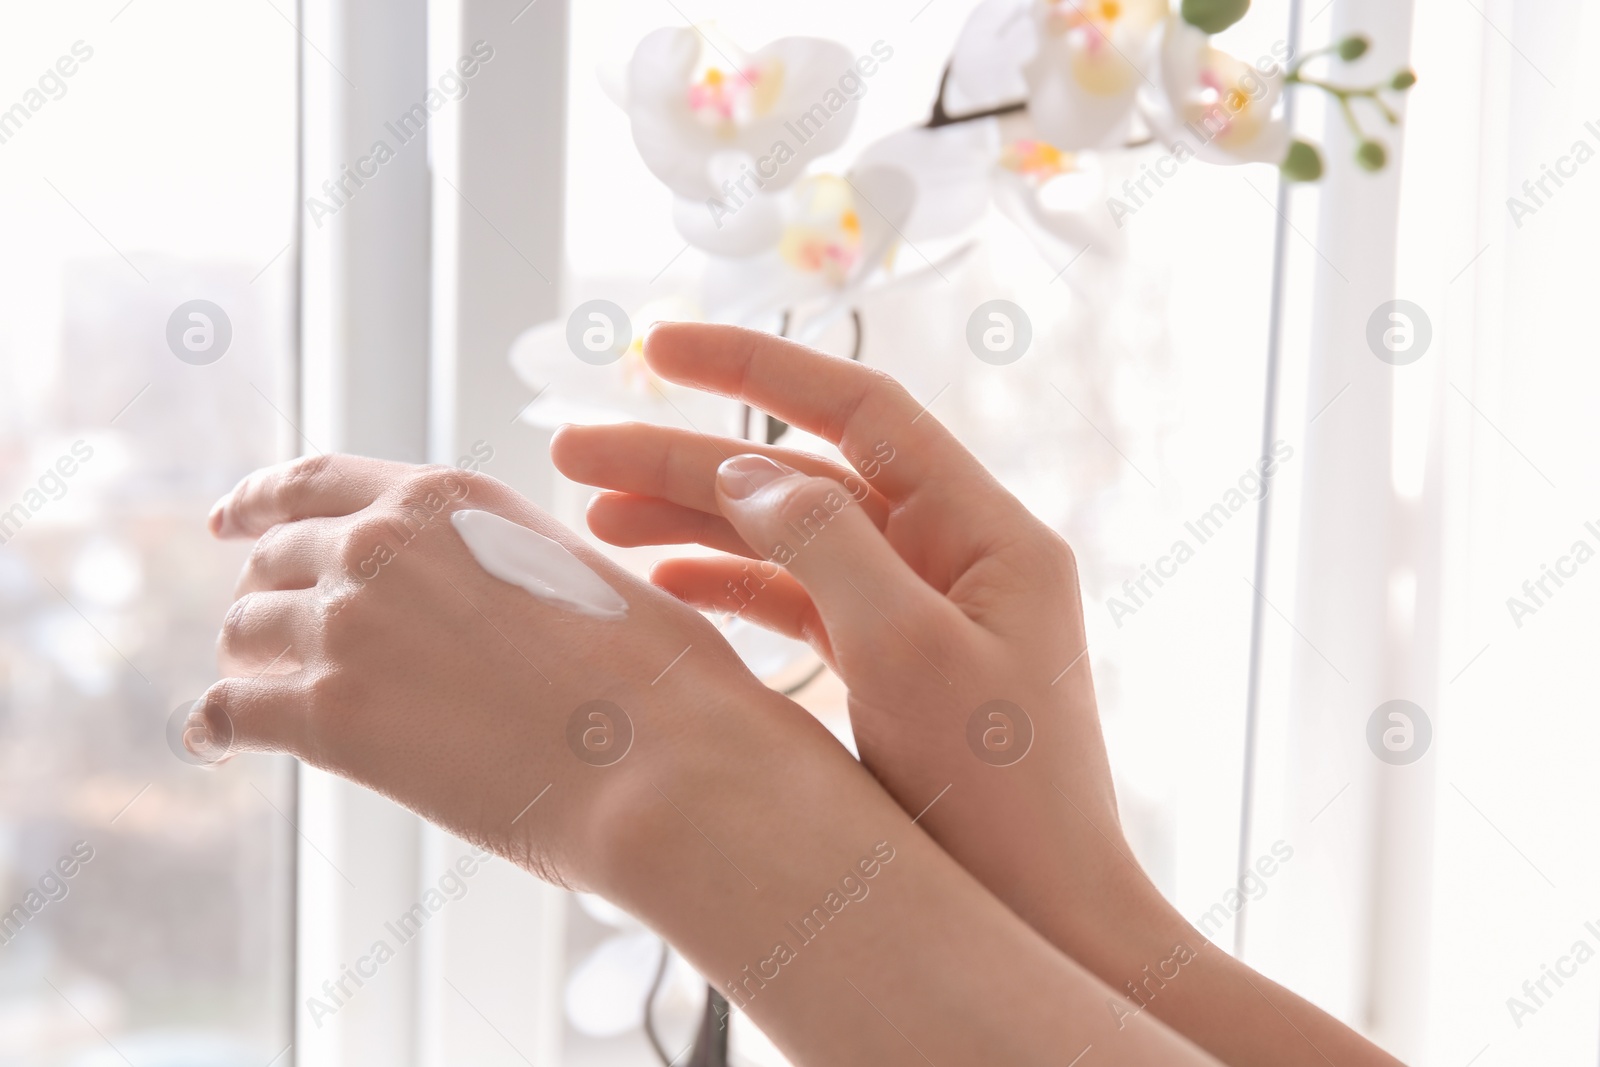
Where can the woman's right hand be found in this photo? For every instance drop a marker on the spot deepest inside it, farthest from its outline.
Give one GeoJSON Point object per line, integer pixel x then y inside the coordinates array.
{"type": "Point", "coordinates": [954, 617]}
{"type": "Point", "coordinates": [950, 612]}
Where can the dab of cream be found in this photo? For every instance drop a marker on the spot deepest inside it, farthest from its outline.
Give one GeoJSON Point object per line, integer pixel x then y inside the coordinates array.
{"type": "Point", "coordinates": [532, 561]}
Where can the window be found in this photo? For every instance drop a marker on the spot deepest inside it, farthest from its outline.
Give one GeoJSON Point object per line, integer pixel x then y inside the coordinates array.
{"type": "Point", "coordinates": [181, 304]}
{"type": "Point", "coordinates": [147, 176]}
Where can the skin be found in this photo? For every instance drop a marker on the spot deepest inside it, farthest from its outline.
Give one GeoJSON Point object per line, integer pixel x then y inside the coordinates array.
{"type": "Point", "coordinates": [367, 641]}
{"type": "Point", "coordinates": [932, 592]}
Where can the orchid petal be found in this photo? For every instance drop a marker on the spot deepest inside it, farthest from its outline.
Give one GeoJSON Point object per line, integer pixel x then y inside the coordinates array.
{"type": "Point", "coordinates": [567, 389]}
{"type": "Point", "coordinates": [1220, 106]}
{"type": "Point", "coordinates": [1092, 59]}
{"type": "Point", "coordinates": [1000, 37]}
{"type": "Point", "coordinates": [781, 107]}
{"type": "Point", "coordinates": [949, 170]}
{"type": "Point", "coordinates": [754, 225]}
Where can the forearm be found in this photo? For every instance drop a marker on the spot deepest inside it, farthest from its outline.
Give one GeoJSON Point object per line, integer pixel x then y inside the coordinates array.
{"type": "Point", "coordinates": [754, 861]}
{"type": "Point", "coordinates": [1102, 910]}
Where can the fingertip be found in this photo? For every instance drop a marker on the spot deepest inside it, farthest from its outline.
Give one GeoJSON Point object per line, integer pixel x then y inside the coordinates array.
{"type": "Point", "coordinates": [208, 734]}
{"type": "Point", "coordinates": [657, 339]}
{"type": "Point", "coordinates": [667, 342]}
{"type": "Point", "coordinates": [214, 519]}
{"type": "Point", "coordinates": [562, 445]}
{"type": "Point", "coordinates": [598, 513]}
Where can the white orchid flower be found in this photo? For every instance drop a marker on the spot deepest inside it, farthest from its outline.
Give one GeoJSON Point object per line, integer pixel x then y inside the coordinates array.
{"type": "Point", "coordinates": [1091, 59]}
{"type": "Point", "coordinates": [836, 234]}
{"type": "Point", "coordinates": [705, 114]}
{"type": "Point", "coordinates": [1052, 196]}
{"type": "Point", "coordinates": [1221, 107]}
{"type": "Point", "coordinates": [605, 384]}
{"type": "Point", "coordinates": [998, 40]}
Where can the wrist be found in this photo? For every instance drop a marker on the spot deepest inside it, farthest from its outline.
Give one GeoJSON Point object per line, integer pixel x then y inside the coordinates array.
{"type": "Point", "coordinates": [708, 779]}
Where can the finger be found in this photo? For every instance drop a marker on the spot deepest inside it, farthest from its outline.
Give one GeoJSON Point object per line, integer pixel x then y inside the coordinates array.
{"type": "Point", "coordinates": [764, 594]}
{"type": "Point", "coordinates": [881, 429]}
{"type": "Point", "coordinates": [290, 555]}
{"type": "Point", "coordinates": [324, 485]}
{"type": "Point", "coordinates": [247, 715]}
{"type": "Point", "coordinates": [259, 631]}
{"type": "Point", "coordinates": [630, 521]}
{"type": "Point", "coordinates": [681, 465]}
{"type": "Point", "coordinates": [876, 609]}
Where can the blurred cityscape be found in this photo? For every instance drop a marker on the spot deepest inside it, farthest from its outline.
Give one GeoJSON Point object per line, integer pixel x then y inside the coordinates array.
{"type": "Point", "coordinates": [176, 923]}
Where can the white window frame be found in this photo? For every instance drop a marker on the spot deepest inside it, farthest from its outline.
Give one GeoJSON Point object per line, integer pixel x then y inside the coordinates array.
{"type": "Point", "coordinates": [1347, 924]}
{"type": "Point", "coordinates": [410, 296]}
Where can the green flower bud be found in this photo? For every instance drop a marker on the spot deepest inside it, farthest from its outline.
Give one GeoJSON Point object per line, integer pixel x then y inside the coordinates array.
{"type": "Point", "coordinates": [1214, 16]}
{"type": "Point", "coordinates": [1403, 80]}
{"type": "Point", "coordinates": [1372, 155]}
{"type": "Point", "coordinates": [1303, 163]}
{"type": "Point", "coordinates": [1353, 48]}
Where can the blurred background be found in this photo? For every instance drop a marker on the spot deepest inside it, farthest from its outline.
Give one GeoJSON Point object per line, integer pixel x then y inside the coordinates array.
{"type": "Point", "coordinates": [182, 299]}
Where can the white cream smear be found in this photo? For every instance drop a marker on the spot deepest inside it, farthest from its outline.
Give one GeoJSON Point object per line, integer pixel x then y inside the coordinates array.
{"type": "Point", "coordinates": [533, 562]}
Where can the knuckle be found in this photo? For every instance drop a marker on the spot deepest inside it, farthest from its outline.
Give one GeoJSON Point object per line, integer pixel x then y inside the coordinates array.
{"type": "Point", "coordinates": [1048, 555]}
{"type": "Point", "coordinates": [365, 545]}
{"type": "Point", "coordinates": [267, 546]}
{"type": "Point", "coordinates": [219, 711]}
{"type": "Point", "coordinates": [432, 487]}
{"type": "Point", "coordinates": [299, 473]}
{"type": "Point", "coordinates": [809, 503]}
{"type": "Point", "coordinates": [221, 698]}
{"type": "Point", "coordinates": [802, 498]}
{"type": "Point", "coordinates": [234, 623]}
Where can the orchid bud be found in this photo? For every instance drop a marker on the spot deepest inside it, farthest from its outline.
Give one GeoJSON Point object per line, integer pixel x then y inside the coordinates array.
{"type": "Point", "coordinates": [1303, 163]}
{"type": "Point", "coordinates": [1214, 16]}
{"type": "Point", "coordinates": [1353, 48]}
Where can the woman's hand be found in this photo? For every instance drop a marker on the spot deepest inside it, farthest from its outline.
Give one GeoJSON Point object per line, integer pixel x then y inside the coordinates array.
{"type": "Point", "coordinates": [950, 612]}
{"type": "Point", "coordinates": [954, 617]}
{"type": "Point", "coordinates": [366, 640]}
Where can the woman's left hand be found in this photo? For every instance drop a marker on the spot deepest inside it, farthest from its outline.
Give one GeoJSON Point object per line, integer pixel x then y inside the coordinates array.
{"type": "Point", "coordinates": [367, 640]}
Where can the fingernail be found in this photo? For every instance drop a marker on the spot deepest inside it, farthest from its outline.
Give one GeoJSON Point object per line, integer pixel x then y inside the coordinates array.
{"type": "Point", "coordinates": [198, 740]}
{"type": "Point", "coordinates": [214, 520]}
{"type": "Point", "coordinates": [741, 476]}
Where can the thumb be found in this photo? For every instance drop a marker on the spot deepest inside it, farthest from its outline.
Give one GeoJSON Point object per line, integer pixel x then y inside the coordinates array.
{"type": "Point", "coordinates": [873, 605]}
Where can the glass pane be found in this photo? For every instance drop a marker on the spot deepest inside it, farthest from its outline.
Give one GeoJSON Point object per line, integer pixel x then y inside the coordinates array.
{"type": "Point", "coordinates": [147, 197]}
